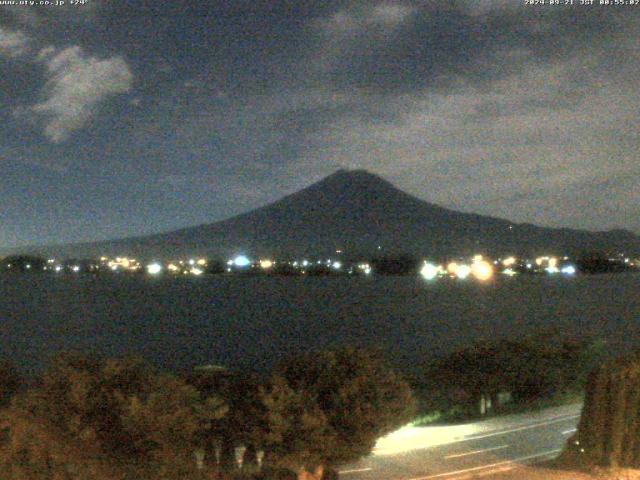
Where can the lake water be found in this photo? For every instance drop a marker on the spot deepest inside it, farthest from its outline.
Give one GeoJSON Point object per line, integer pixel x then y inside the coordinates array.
{"type": "Point", "coordinates": [251, 322]}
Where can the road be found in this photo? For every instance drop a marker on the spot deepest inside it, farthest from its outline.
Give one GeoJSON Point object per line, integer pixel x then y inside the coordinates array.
{"type": "Point", "coordinates": [474, 450]}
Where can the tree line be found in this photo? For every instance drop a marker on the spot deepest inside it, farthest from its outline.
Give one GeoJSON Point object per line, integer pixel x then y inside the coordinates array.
{"type": "Point", "coordinates": [87, 417]}
{"type": "Point", "coordinates": [503, 374]}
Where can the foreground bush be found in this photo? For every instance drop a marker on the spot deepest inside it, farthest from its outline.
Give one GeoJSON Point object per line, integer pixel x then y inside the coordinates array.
{"type": "Point", "coordinates": [327, 408]}
{"type": "Point", "coordinates": [92, 418]}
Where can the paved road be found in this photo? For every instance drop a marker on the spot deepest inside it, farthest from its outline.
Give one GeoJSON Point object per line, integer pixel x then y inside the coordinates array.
{"type": "Point", "coordinates": [467, 451]}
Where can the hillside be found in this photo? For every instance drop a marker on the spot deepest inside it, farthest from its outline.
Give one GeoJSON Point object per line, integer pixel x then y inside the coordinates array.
{"type": "Point", "coordinates": [357, 212]}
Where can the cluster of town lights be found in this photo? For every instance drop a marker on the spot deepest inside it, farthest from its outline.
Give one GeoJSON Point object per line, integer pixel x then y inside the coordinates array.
{"type": "Point", "coordinates": [479, 269]}
{"type": "Point", "coordinates": [483, 270]}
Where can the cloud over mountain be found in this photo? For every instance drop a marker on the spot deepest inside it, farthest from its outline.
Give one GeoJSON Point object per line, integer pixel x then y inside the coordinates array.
{"type": "Point", "coordinates": [13, 43]}
{"type": "Point", "coordinates": [77, 85]}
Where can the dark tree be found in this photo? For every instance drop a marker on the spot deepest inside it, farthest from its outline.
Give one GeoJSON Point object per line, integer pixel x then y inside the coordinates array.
{"type": "Point", "coordinates": [10, 382]}
{"type": "Point", "coordinates": [295, 432]}
{"type": "Point", "coordinates": [356, 394]}
{"type": "Point", "coordinates": [609, 430]}
{"type": "Point", "coordinates": [599, 262]}
{"type": "Point", "coordinates": [241, 393]}
{"type": "Point", "coordinates": [105, 419]}
{"type": "Point", "coordinates": [529, 368]}
{"type": "Point", "coordinates": [215, 267]}
{"type": "Point", "coordinates": [395, 265]}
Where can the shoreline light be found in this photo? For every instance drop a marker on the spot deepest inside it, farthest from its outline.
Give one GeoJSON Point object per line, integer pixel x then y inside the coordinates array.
{"type": "Point", "coordinates": [429, 271]}
{"type": "Point", "coordinates": [463, 271]}
{"type": "Point", "coordinates": [154, 268]}
{"type": "Point", "coordinates": [482, 270]}
{"type": "Point", "coordinates": [507, 262]}
{"type": "Point", "coordinates": [241, 261]}
{"type": "Point", "coordinates": [452, 268]}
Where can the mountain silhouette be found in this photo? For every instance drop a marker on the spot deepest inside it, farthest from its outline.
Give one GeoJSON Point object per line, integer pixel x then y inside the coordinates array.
{"type": "Point", "coordinates": [361, 214]}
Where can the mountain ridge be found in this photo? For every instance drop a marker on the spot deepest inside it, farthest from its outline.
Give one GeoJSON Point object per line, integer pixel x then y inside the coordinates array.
{"type": "Point", "coordinates": [357, 212]}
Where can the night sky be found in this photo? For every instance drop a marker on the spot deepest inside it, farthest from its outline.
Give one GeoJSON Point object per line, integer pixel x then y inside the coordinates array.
{"type": "Point", "coordinates": [120, 119]}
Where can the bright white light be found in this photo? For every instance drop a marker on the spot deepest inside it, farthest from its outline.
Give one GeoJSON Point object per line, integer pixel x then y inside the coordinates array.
{"type": "Point", "coordinates": [28, 266]}
{"type": "Point", "coordinates": [337, 265]}
{"type": "Point", "coordinates": [266, 264]}
{"type": "Point", "coordinates": [154, 268]}
{"type": "Point", "coordinates": [58, 268]}
{"type": "Point", "coordinates": [552, 269]}
{"type": "Point", "coordinates": [568, 270]}
{"type": "Point", "coordinates": [305, 263]}
{"type": "Point", "coordinates": [192, 262]}
{"type": "Point", "coordinates": [75, 268]}
{"type": "Point", "coordinates": [196, 271]}
{"type": "Point", "coordinates": [429, 271]}
{"type": "Point", "coordinates": [463, 271]}
{"type": "Point", "coordinates": [367, 271]}
{"type": "Point", "coordinates": [241, 261]}
{"type": "Point", "coordinates": [202, 262]}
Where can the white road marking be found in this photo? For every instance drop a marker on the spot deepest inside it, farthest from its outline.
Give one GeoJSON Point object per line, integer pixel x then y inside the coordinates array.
{"type": "Point", "coordinates": [474, 452]}
{"type": "Point", "coordinates": [491, 465]}
{"type": "Point", "coordinates": [354, 470]}
{"type": "Point", "coordinates": [497, 470]}
{"type": "Point", "coordinates": [571, 430]}
{"type": "Point", "coordinates": [518, 429]}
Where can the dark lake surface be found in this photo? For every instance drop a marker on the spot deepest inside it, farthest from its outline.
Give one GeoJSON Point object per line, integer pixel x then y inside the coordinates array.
{"type": "Point", "coordinates": [251, 322]}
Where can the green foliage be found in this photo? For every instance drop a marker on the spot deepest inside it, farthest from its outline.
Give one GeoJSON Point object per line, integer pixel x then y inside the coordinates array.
{"type": "Point", "coordinates": [295, 431]}
{"type": "Point", "coordinates": [117, 416]}
{"type": "Point", "coordinates": [10, 382]}
{"type": "Point", "coordinates": [244, 416]}
{"type": "Point", "coordinates": [90, 418]}
{"type": "Point", "coordinates": [361, 398]}
{"type": "Point", "coordinates": [609, 430]}
{"type": "Point", "coordinates": [530, 368]}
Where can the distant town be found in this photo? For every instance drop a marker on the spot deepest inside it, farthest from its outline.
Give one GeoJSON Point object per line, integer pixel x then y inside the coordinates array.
{"type": "Point", "coordinates": [477, 267]}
